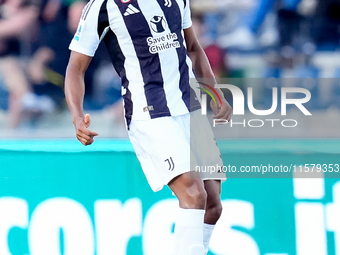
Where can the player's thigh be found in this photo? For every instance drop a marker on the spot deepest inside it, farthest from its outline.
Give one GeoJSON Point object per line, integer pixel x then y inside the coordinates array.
{"type": "Point", "coordinates": [204, 147]}
{"type": "Point", "coordinates": [162, 148]}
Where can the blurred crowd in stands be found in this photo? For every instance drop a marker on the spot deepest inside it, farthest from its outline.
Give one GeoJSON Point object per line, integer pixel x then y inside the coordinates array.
{"type": "Point", "coordinates": [35, 34]}
{"type": "Point", "coordinates": [34, 40]}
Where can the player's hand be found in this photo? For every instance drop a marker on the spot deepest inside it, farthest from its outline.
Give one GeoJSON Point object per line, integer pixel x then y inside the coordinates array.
{"type": "Point", "coordinates": [84, 135]}
{"type": "Point", "coordinates": [221, 111]}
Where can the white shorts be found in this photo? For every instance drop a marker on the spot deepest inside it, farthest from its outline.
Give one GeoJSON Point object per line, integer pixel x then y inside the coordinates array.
{"type": "Point", "coordinates": [167, 147]}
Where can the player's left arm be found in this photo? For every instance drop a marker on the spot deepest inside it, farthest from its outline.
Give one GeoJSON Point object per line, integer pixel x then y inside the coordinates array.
{"type": "Point", "coordinates": [202, 69]}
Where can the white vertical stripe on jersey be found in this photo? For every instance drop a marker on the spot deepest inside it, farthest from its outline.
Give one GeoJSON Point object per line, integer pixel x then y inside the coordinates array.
{"type": "Point", "coordinates": [194, 85]}
{"type": "Point", "coordinates": [168, 61]}
{"type": "Point", "coordinates": [188, 60]}
{"type": "Point", "coordinates": [131, 65]}
{"type": "Point", "coordinates": [191, 72]}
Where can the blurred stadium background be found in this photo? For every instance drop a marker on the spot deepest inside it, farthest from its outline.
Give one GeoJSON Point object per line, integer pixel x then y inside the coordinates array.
{"type": "Point", "coordinates": [58, 197]}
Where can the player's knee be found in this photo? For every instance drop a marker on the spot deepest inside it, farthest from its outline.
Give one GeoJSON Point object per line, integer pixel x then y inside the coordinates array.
{"type": "Point", "coordinates": [214, 211]}
{"type": "Point", "coordinates": [217, 210]}
{"type": "Point", "coordinates": [195, 198]}
{"type": "Point", "coordinates": [200, 198]}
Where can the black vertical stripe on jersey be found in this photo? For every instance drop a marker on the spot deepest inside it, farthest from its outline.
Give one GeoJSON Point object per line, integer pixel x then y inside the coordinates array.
{"type": "Point", "coordinates": [128, 105]}
{"type": "Point", "coordinates": [103, 19]}
{"type": "Point", "coordinates": [174, 18]}
{"type": "Point", "coordinates": [139, 31]}
{"type": "Point", "coordinates": [117, 58]}
{"type": "Point", "coordinates": [110, 40]}
{"type": "Point", "coordinates": [116, 55]}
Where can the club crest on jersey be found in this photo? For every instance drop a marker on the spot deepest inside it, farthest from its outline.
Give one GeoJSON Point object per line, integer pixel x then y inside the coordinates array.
{"type": "Point", "coordinates": [158, 24]}
{"type": "Point", "coordinates": [125, 1]}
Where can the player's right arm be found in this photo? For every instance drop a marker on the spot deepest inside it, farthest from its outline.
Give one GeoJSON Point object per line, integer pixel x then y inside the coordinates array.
{"type": "Point", "coordinates": [74, 92]}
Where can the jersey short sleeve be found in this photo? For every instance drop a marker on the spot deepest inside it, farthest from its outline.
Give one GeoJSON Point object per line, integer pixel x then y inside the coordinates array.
{"type": "Point", "coordinates": [187, 15]}
{"type": "Point", "coordinates": [86, 39]}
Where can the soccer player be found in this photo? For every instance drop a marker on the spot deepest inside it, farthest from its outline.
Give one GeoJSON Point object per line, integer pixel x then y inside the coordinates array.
{"type": "Point", "coordinates": [154, 49]}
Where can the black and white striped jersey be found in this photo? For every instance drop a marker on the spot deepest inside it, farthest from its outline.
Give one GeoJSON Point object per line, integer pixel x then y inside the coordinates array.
{"type": "Point", "coordinates": [145, 41]}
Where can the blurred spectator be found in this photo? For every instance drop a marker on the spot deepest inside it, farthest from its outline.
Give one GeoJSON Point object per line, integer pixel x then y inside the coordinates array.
{"type": "Point", "coordinates": [215, 54]}
{"type": "Point", "coordinates": [247, 31]}
{"type": "Point", "coordinates": [252, 24]}
{"type": "Point", "coordinates": [17, 17]}
{"type": "Point", "coordinates": [221, 16]}
{"type": "Point", "coordinates": [34, 40]}
{"type": "Point", "coordinates": [48, 66]}
{"type": "Point", "coordinates": [49, 10]}
{"type": "Point", "coordinates": [326, 24]}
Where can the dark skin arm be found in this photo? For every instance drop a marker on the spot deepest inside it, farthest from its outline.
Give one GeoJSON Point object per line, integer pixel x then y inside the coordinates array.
{"type": "Point", "coordinates": [203, 70]}
{"type": "Point", "coordinates": [74, 92]}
